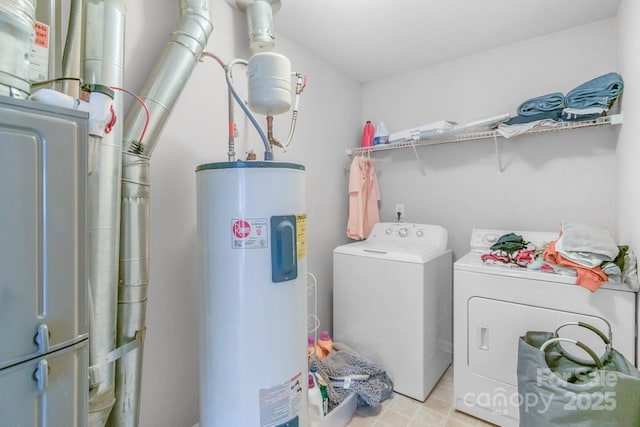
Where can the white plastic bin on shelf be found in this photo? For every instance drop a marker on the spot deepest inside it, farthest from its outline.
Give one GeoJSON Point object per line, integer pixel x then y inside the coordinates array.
{"type": "Point", "coordinates": [340, 415]}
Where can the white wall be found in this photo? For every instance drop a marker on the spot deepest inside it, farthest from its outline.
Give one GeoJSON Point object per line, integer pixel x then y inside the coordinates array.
{"type": "Point", "coordinates": [546, 179]}
{"type": "Point", "coordinates": [628, 153]}
{"type": "Point", "coordinates": [330, 110]}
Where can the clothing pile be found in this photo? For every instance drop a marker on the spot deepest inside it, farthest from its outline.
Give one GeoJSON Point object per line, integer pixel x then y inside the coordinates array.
{"type": "Point", "coordinates": [510, 250]}
{"type": "Point", "coordinates": [586, 252]}
{"type": "Point", "coordinates": [588, 101]}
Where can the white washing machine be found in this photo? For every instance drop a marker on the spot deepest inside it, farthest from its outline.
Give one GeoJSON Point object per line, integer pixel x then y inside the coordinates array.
{"type": "Point", "coordinates": [392, 303]}
{"type": "Point", "coordinates": [495, 305]}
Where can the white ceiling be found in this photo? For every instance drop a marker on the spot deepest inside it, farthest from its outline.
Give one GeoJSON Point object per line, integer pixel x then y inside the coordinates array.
{"type": "Point", "coordinates": [373, 39]}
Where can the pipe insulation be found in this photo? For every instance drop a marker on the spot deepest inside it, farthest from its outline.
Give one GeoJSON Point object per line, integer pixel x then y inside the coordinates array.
{"type": "Point", "coordinates": [102, 62]}
{"type": "Point", "coordinates": [160, 92]}
{"type": "Point", "coordinates": [169, 75]}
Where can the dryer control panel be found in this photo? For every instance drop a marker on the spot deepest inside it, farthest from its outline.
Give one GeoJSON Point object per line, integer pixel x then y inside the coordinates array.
{"type": "Point", "coordinates": [482, 239]}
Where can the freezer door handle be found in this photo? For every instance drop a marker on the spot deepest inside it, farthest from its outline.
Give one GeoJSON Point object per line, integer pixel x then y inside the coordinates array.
{"type": "Point", "coordinates": [483, 337]}
{"type": "Point", "coordinates": [42, 338]}
{"type": "Point", "coordinates": [41, 375]}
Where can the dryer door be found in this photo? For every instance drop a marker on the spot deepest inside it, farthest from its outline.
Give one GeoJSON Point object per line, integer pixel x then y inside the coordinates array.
{"type": "Point", "coordinates": [495, 326]}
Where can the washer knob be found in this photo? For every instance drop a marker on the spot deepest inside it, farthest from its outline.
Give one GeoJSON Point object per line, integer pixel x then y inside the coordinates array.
{"type": "Point", "coordinates": [403, 232]}
{"type": "Point", "coordinates": [388, 231]}
{"type": "Point", "coordinates": [420, 233]}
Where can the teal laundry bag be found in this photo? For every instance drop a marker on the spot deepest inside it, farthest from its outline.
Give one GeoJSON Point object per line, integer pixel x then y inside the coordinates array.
{"type": "Point", "coordinates": [558, 389]}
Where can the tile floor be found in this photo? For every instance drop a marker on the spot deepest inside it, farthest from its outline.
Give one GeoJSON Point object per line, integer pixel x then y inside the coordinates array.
{"type": "Point", "coordinates": [401, 411]}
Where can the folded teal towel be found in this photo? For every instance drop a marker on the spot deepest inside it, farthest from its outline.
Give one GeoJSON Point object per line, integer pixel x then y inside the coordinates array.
{"type": "Point", "coordinates": [599, 92]}
{"type": "Point", "coordinates": [541, 104]}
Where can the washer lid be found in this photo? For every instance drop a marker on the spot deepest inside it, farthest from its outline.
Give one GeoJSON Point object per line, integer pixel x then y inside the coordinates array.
{"type": "Point", "coordinates": [409, 255]}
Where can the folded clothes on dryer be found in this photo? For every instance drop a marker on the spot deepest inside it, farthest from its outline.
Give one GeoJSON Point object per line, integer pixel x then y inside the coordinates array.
{"type": "Point", "coordinates": [586, 245]}
{"type": "Point", "coordinates": [585, 248]}
{"type": "Point", "coordinates": [586, 252]}
{"type": "Point", "coordinates": [588, 277]}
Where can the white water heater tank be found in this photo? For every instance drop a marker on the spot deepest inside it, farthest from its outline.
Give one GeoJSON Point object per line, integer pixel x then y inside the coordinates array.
{"type": "Point", "coordinates": [252, 272]}
{"type": "Point", "coordinates": [269, 79]}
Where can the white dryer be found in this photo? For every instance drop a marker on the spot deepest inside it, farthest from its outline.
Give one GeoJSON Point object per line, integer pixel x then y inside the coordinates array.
{"type": "Point", "coordinates": [392, 302]}
{"type": "Point", "coordinates": [495, 305]}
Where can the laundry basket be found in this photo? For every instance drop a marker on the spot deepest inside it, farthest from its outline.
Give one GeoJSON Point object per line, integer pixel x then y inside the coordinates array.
{"type": "Point", "coordinates": [557, 388]}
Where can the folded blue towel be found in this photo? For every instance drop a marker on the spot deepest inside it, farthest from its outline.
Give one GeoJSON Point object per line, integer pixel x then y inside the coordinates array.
{"type": "Point", "coordinates": [599, 92]}
{"type": "Point", "coordinates": [548, 115]}
{"type": "Point", "coordinates": [541, 104]}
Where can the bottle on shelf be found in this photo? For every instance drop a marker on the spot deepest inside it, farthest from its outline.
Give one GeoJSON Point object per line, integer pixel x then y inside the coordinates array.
{"type": "Point", "coordinates": [316, 410]}
{"type": "Point", "coordinates": [381, 135]}
{"type": "Point", "coordinates": [367, 134]}
{"type": "Point", "coordinates": [325, 343]}
{"type": "Point", "coordinates": [322, 385]}
{"type": "Point", "coordinates": [313, 348]}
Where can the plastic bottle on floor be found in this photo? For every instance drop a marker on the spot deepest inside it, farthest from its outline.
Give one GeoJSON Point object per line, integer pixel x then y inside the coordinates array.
{"type": "Point", "coordinates": [322, 385]}
{"type": "Point", "coordinates": [325, 343]}
{"type": "Point", "coordinates": [316, 411]}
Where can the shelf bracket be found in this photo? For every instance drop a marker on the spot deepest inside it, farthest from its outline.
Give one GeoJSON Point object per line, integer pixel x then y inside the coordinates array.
{"type": "Point", "coordinates": [498, 152]}
{"type": "Point", "coordinates": [420, 162]}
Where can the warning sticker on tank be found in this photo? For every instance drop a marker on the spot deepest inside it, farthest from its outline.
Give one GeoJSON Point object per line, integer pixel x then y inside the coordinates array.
{"type": "Point", "coordinates": [250, 233]}
{"type": "Point", "coordinates": [301, 235]}
{"type": "Point", "coordinates": [39, 54]}
{"type": "Point", "coordinates": [280, 404]}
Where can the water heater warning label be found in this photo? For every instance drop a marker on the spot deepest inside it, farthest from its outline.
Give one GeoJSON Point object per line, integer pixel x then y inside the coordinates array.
{"type": "Point", "coordinates": [301, 235]}
{"type": "Point", "coordinates": [39, 54]}
{"type": "Point", "coordinates": [250, 233]}
{"type": "Point", "coordinates": [281, 404]}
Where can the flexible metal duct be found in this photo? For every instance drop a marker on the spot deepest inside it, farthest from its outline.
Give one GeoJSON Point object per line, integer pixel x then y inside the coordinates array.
{"type": "Point", "coordinates": [103, 63]}
{"type": "Point", "coordinates": [160, 92]}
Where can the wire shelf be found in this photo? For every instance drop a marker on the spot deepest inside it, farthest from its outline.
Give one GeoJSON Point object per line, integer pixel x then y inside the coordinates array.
{"type": "Point", "coordinates": [559, 126]}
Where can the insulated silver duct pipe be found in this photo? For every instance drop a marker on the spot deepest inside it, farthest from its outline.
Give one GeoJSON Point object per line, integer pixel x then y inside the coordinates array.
{"type": "Point", "coordinates": [160, 92]}
{"type": "Point", "coordinates": [102, 62]}
{"type": "Point", "coordinates": [169, 75]}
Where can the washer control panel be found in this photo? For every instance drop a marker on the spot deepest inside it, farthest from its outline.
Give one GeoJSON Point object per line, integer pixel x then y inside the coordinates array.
{"type": "Point", "coordinates": [400, 235]}
{"type": "Point", "coordinates": [401, 230]}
